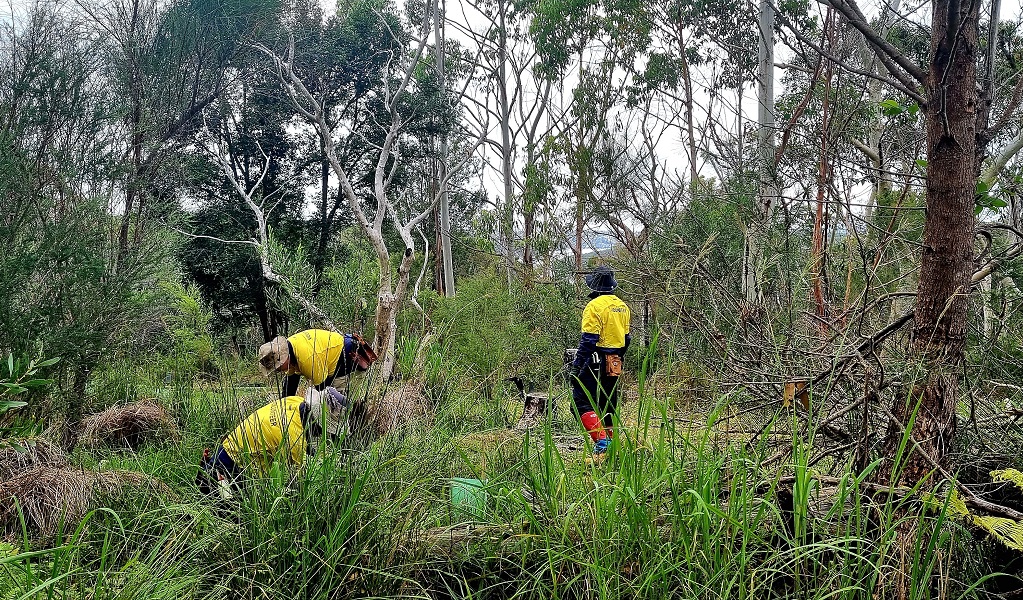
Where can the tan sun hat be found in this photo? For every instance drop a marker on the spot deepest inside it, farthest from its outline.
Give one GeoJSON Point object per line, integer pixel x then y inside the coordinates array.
{"type": "Point", "coordinates": [273, 355]}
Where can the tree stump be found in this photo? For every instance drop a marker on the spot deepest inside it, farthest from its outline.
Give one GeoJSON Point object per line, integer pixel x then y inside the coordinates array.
{"type": "Point", "coordinates": [536, 408]}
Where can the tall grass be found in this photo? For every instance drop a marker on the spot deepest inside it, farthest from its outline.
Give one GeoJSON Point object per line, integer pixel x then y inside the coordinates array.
{"type": "Point", "coordinates": [676, 512]}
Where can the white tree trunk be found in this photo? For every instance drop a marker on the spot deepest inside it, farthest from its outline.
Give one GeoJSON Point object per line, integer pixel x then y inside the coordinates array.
{"type": "Point", "coordinates": [447, 261]}
{"type": "Point", "coordinates": [756, 232]}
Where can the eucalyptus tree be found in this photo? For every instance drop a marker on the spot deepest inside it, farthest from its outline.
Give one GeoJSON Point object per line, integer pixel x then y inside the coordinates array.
{"type": "Point", "coordinates": [956, 98]}
{"type": "Point", "coordinates": [712, 40]}
{"type": "Point", "coordinates": [515, 90]}
{"type": "Point", "coordinates": [600, 47]}
{"type": "Point", "coordinates": [338, 60]}
{"type": "Point", "coordinates": [640, 197]}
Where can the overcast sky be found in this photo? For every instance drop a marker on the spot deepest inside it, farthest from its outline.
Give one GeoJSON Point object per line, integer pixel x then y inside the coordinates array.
{"type": "Point", "coordinates": [671, 146]}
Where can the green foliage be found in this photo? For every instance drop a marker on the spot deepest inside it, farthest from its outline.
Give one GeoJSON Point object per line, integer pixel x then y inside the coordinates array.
{"type": "Point", "coordinates": [719, 27]}
{"type": "Point", "coordinates": [984, 199]}
{"type": "Point", "coordinates": [189, 325]}
{"type": "Point", "coordinates": [562, 29]}
{"type": "Point", "coordinates": [892, 108]}
{"type": "Point", "coordinates": [19, 378]}
{"type": "Point", "coordinates": [677, 512]}
{"type": "Point", "coordinates": [58, 287]}
{"type": "Point", "coordinates": [663, 71]}
{"type": "Point", "coordinates": [490, 333]}
{"type": "Point", "coordinates": [350, 285]}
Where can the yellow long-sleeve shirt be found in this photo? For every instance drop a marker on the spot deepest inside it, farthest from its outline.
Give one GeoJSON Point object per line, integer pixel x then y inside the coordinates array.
{"type": "Point", "coordinates": [273, 431]}
{"type": "Point", "coordinates": [317, 352]}
{"type": "Point", "coordinates": [607, 317]}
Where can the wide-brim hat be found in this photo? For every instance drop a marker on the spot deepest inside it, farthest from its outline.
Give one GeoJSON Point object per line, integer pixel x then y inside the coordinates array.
{"type": "Point", "coordinates": [273, 355]}
{"type": "Point", "coordinates": [328, 409]}
{"type": "Point", "coordinates": [602, 279]}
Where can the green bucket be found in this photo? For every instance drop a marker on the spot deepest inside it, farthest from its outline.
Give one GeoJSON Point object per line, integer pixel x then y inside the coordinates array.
{"type": "Point", "coordinates": [469, 496]}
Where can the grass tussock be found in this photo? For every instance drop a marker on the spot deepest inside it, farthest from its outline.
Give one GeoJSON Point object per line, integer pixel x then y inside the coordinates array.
{"type": "Point", "coordinates": [21, 454]}
{"type": "Point", "coordinates": [49, 498]}
{"type": "Point", "coordinates": [682, 508]}
{"type": "Point", "coordinates": [130, 425]}
{"type": "Point", "coordinates": [398, 407]}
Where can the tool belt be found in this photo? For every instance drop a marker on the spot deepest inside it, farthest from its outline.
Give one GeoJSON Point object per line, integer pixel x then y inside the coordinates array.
{"type": "Point", "coordinates": [359, 358]}
{"type": "Point", "coordinates": [612, 365]}
{"type": "Point", "coordinates": [363, 356]}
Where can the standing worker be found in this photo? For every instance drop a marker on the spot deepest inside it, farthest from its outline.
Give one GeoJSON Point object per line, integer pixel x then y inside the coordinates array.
{"type": "Point", "coordinates": [319, 355]}
{"type": "Point", "coordinates": [598, 361]}
{"type": "Point", "coordinates": [285, 430]}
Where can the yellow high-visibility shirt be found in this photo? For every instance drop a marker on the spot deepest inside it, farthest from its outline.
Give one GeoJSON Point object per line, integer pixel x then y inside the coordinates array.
{"type": "Point", "coordinates": [317, 352]}
{"type": "Point", "coordinates": [608, 317]}
{"type": "Point", "coordinates": [273, 431]}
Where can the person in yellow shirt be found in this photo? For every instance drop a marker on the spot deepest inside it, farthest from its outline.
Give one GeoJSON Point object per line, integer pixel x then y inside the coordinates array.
{"type": "Point", "coordinates": [597, 365]}
{"type": "Point", "coordinates": [285, 429]}
{"type": "Point", "coordinates": [319, 355]}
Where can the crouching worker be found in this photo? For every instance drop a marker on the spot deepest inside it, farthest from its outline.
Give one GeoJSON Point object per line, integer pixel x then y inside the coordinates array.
{"type": "Point", "coordinates": [319, 355]}
{"type": "Point", "coordinates": [597, 365]}
{"type": "Point", "coordinates": [287, 430]}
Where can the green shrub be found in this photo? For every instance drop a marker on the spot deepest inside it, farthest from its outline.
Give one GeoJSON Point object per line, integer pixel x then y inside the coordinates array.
{"type": "Point", "coordinates": [490, 333]}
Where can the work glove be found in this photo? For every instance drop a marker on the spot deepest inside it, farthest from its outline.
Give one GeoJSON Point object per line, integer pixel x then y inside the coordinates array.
{"type": "Point", "coordinates": [337, 399]}
{"type": "Point", "coordinates": [572, 372]}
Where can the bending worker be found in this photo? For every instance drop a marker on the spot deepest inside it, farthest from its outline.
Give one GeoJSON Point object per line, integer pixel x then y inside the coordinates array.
{"type": "Point", "coordinates": [319, 355]}
{"type": "Point", "coordinates": [285, 429]}
{"type": "Point", "coordinates": [598, 361]}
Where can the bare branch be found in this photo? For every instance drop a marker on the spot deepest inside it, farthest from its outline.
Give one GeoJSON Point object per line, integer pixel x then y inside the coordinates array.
{"type": "Point", "coordinates": [1007, 114]}
{"type": "Point", "coordinates": [865, 149]}
{"type": "Point", "coordinates": [901, 83]}
{"type": "Point", "coordinates": [414, 297]}
{"type": "Point", "coordinates": [889, 55]}
{"type": "Point", "coordinates": [197, 236]}
{"type": "Point", "coordinates": [262, 235]}
{"type": "Point", "coordinates": [990, 174]}
{"type": "Point", "coordinates": [444, 180]}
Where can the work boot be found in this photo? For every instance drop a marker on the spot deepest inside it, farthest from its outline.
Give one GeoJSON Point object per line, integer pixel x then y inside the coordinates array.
{"type": "Point", "coordinates": [599, 455]}
{"type": "Point", "coordinates": [594, 427]}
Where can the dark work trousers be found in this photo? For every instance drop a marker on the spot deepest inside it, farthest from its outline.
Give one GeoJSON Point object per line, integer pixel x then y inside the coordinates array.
{"type": "Point", "coordinates": [594, 390]}
{"type": "Point", "coordinates": [211, 467]}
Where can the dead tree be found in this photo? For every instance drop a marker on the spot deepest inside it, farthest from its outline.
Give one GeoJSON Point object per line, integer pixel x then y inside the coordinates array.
{"type": "Point", "coordinates": [392, 288]}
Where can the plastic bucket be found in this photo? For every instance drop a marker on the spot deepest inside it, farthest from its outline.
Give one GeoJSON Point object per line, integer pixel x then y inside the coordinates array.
{"type": "Point", "coordinates": [468, 496]}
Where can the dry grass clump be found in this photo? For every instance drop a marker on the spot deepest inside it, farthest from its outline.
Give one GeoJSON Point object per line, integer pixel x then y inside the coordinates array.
{"type": "Point", "coordinates": [49, 496]}
{"type": "Point", "coordinates": [399, 406]}
{"type": "Point", "coordinates": [130, 425]}
{"type": "Point", "coordinates": [20, 454]}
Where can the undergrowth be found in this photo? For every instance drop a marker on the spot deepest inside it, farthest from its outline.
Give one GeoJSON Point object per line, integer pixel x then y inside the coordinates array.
{"type": "Point", "coordinates": [676, 512]}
